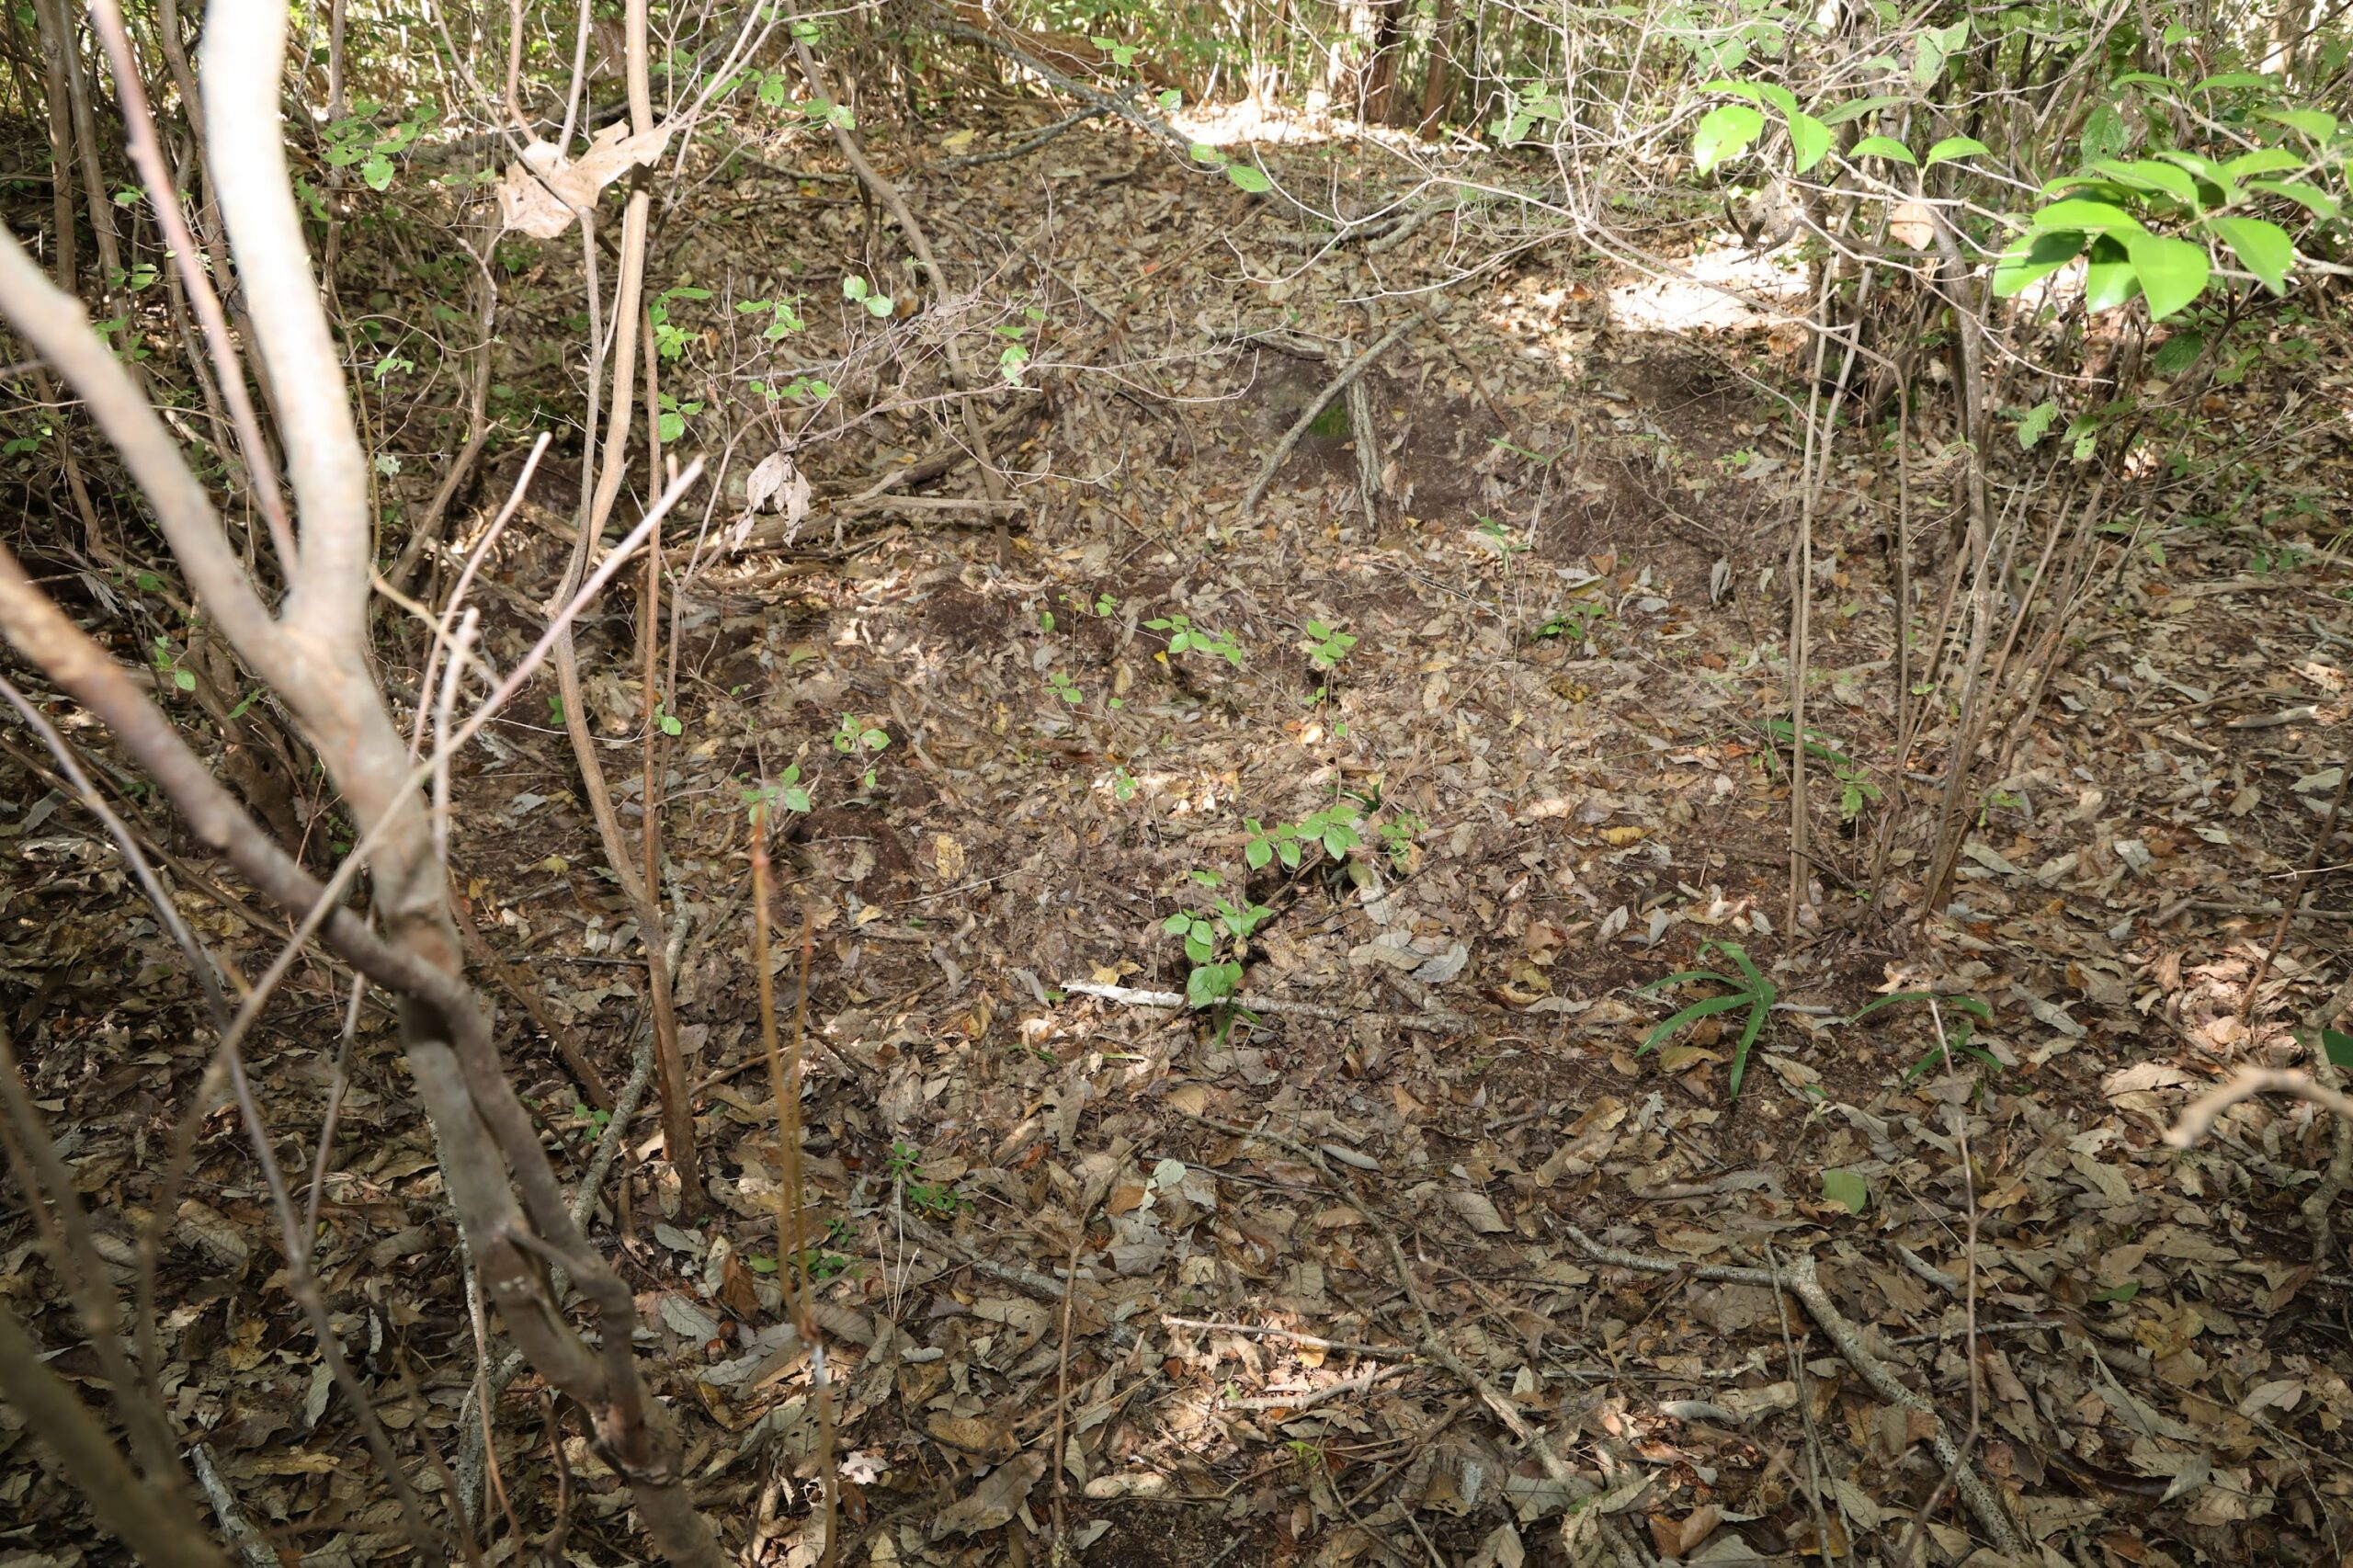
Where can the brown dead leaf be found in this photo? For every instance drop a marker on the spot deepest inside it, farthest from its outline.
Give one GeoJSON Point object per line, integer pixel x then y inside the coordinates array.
{"type": "Point", "coordinates": [541, 190]}
{"type": "Point", "coordinates": [994, 1501]}
{"type": "Point", "coordinates": [974, 1434]}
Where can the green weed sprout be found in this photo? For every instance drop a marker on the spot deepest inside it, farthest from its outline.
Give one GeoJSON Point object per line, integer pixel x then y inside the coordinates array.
{"type": "Point", "coordinates": [1749, 989]}
{"type": "Point", "coordinates": [1958, 1033]}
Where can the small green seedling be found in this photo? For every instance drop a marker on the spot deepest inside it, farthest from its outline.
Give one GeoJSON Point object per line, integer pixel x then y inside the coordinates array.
{"type": "Point", "coordinates": [1505, 545]}
{"type": "Point", "coordinates": [1328, 646]}
{"type": "Point", "coordinates": [1573, 624]}
{"type": "Point", "coordinates": [1334, 827]}
{"type": "Point", "coordinates": [1958, 1030]}
{"type": "Point", "coordinates": [167, 663]}
{"type": "Point", "coordinates": [1215, 943]}
{"type": "Point", "coordinates": [1184, 637]}
{"type": "Point", "coordinates": [1855, 787]}
{"type": "Point", "coordinates": [1065, 688]}
{"type": "Point", "coordinates": [857, 740]}
{"type": "Point", "coordinates": [760, 800]}
{"type": "Point", "coordinates": [1397, 839]}
{"type": "Point", "coordinates": [1749, 989]}
{"type": "Point", "coordinates": [858, 291]}
{"type": "Point", "coordinates": [936, 1199]}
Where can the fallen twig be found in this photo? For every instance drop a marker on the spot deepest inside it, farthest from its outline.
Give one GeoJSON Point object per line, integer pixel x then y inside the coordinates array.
{"type": "Point", "coordinates": [1799, 1280]}
{"type": "Point", "coordinates": [2198, 1116]}
{"type": "Point", "coordinates": [257, 1552]}
{"type": "Point", "coordinates": [1338, 384]}
{"type": "Point", "coordinates": [1041, 1285]}
{"type": "Point", "coordinates": [1314, 1342]}
{"type": "Point", "coordinates": [1433, 1022]}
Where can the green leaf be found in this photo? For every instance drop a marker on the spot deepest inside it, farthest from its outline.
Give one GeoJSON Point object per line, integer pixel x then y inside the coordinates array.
{"type": "Point", "coordinates": [2338, 1047]}
{"type": "Point", "coordinates": [1690, 974]}
{"type": "Point", "coordinates": [1249, 178]}
{"type": "Point", "coordinates": [2123, 1292]}
{"type": "Point", "coordinates": [1747, 1038]}
{"type": "Point", "coordinates": [1781, 99]}
{"type": "Point", "coordinates": [1205, 154]}
{"type": "Point", "coordinates": [2037, 423]}
{"type": "Point", "coordinates": [1845, 1189]}
{"type": "Point", "coordinates": [1211, 982]}
{"type": "Point", "coordinates": [2094, 216]}
{"type": "Point", "coordinates": [1724, 132]}
{"type": "Point", "coordinates": [670, 426]}
{"type": "Point", "coordinates": [2108, 278]}
{"type": "Point", "coordinates": [2033, 257]}
{"type": "Point", "coordinates": [378, 172]}
{"type": "Point", "coordinates": [2178, 352]}
{"type": "Point", "coordinates": [1692, 1014]}
{"type": "Point", "coordinates": [878, 305]}
{"type": "Point", "coordinates": [2262, 248]}
{"type": "Point", "coordinates": [1883, 147]}
{"type": "Point", "coordinates": [2230, 79]}
{"type": "Point", "coordinates": [2104, 133]}
{"type": "Point", "coordinates": [2263, 161]}
{"type": "Point", "coordinates": [2319, 203]}
{"type": "Point", "coordinates": [2207, 169]}
{"type": "Point", "coordinates": [1957, 147]}
{"type": "Point", "coordinates": [1857, 108]}
{"type": "Point", "coordinates": [1809, 138]}
{"type": "Point", "coordinates": [2147, 174]}
{"type": "Point", "coordinates": [2173, 272]}
{"type": "Point", "coordinates": [184, 679]}
{"type": "Point", "coordinates": [2312, 122]}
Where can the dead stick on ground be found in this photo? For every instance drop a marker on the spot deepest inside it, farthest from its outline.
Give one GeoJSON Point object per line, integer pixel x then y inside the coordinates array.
{"type": "Point", "coordinates": [1338, 385]}
{"type": "Point", "coordinates": [2198, 1116]}
{"type": "Point", "coordinates": [1038, 1284]}
{"type": "Point", "coordinates": [918, 241]}
{"type": "Point", "coordinates": [1799, 1280]}
{"type": "Point", "coordinates": [1062, 1400]}
{"type": "Point", "coordinates": [1627, 1552]}
{"type": "Point", "coordinates": [1433, 1022]}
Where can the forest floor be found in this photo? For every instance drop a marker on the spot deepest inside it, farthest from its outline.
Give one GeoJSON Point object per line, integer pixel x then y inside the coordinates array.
{"type": "Point", "coordinates": [1551, 737]}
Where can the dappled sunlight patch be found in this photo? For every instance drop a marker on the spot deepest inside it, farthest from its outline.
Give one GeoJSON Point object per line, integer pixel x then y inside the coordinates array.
{"type": "Point", "coordinates": [1719, 290]}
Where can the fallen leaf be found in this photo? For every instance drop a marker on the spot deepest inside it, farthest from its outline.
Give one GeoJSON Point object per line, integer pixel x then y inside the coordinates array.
{"type": "Point", "coordinates": [994, 1501]}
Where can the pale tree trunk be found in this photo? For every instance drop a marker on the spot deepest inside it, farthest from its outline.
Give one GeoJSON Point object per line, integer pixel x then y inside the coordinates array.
{"type": "Point", "coordinates": [2288, 25]}
{"type": "Point", "coordinates": [314, 653]}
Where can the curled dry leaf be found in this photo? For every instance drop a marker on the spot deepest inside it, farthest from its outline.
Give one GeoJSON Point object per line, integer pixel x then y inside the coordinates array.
{"type": "Point", "coordinates": [777, 484]}
{"type": "Point", "coordinates": [543, 189]}
{"type": "Point", "coordinates": [994, 1501]}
